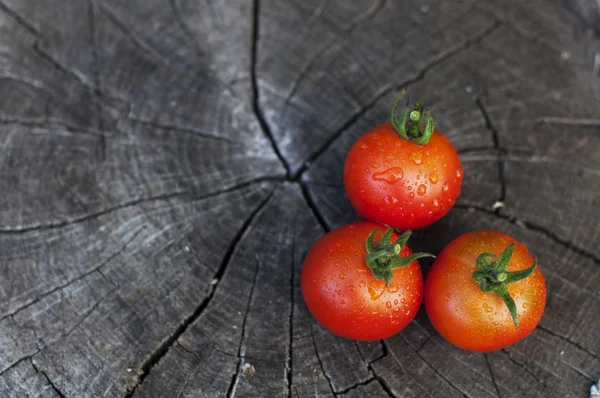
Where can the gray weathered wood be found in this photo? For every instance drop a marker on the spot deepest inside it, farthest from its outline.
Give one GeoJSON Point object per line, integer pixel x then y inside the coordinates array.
{"type": "Point", "coordinates": [165, 165]}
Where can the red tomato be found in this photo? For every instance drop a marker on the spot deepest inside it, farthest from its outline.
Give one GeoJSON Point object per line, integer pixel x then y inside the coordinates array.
{"type": "Point", "coordinates": [397, 182]}
{"type": "Point", "coordinates": [467, 316]}
{"type": "Point", "coordinates": [343, 294]}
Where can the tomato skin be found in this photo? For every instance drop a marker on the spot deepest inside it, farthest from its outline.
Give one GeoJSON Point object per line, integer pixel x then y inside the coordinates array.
{"type": "Point", "coordinates": [399, 183]}
{"type": "Point", "coordinates": [466, 316]}
{"type": "Point", "coordinates": [342, 294]}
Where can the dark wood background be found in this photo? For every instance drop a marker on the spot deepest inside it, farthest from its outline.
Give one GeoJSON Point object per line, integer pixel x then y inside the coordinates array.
{"type": "Point", "coordinates": [166, 164]}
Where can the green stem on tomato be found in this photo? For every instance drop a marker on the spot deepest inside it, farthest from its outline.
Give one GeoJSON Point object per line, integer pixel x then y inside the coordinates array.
{"type": "Point", "coordinates": [409, 126]}
{"type": "Point", "coordinates": [493, 277]}
{"type": "Point", "coordinates": [383, 258]}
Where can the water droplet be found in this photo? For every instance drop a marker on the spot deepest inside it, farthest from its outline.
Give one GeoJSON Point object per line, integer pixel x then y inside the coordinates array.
{"type": "Point", "coordinates": [391, 175]}
{"type": "Point", "coordinates": [376, 289]}
{"type": "Point", "coordinates": [375, 165]}
{"type": "Point", "coordinates": [488, 308]}
{"type": "Point", "coordinates": [362, 283]}
{"type": "Point", "coordinates": [409, 188]}
{"type": "Point", "coordinates": [393, 287]}
{"type": "Point", "coordinates": [445, 187]}
{"type": "Point", "coordinates": [433, 178]}
{"type": "Point", "coordinates": [416, 158]}
{"type": "Point", "coordinates": [525, 305]}
{"type": "Point", "coordinates": [396, 302]}
{"type": "Point", "coordinates": [324, 279]}
{"type": "Point", "coordinates": [419, 177]}
{"type": "Point", "coordinates": [458, 174]}
{"type": "Point", "coordinates": [436, 203]}
{"type": "Point", "coordinates": [422, 190]}
{"type": "Point", "coordinates": [411, 195]}
{"type": "Point", "coordinates": [390, 200]}
{"type": "Point", "coordinates": [435, 168]}
{"type": "Point", "coordinates": [342, 276]}
{"type": "Point", "coordinates": [388, 304]}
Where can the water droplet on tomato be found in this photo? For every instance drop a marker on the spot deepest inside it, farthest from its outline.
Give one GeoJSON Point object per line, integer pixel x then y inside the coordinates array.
{"type": "Point", "coordinates": [393, 287]}
{"type": "Point", "coordinates": [422, 190]}
{"type": "Point", "coordinates": [411, 195]}
{"type": "Point", "coordinates": [390, 200]}
{"type": "Point", "coordinates": [362, 283]}
{"type": "Point", "coordinates": [388, 304]}
{"type": "Point", "coordinates": [342, 276]}
{"type": "Point", "coordinates": [436, 203]}
{"type": "Point", "coordinates": [433, 178]}
{"type": "Point", "coordinates": [376, 289]}
{"type": "Point", "coordinates": [396, 302]}
{"type": "Point", "coordinates": [375, 165]}
{"type": "Point", "coordinates": [445, 187]}
{"type": "Point", "coordinates": [488, 308]}
{"type": "Point", "coordinates": [525, 305]}
{"type": "Point", "coordinates": [458, 174]}
{"type": "Point", "coordinates": [416, 158]}
{"type": "Point", "coordinates": [390, 176]}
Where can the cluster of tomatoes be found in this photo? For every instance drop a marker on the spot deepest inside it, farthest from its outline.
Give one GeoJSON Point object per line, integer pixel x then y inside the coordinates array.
{"type": "Point", "coordinates": [361, 281]}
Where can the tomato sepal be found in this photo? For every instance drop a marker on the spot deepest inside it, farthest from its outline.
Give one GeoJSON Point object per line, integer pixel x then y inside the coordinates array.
{"type": "Point", "coordinates": [384, 257]}
{"type": "Point", "coordinates": [493, 277]}
{"type": "Point", "coordinates": [409, 126]}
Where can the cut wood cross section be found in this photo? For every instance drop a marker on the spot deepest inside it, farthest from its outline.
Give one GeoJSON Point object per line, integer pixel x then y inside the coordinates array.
{"type": "Point", "coordinates": [165, 165]}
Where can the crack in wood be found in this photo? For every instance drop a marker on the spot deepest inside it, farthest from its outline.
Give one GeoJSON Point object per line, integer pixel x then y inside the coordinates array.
{"type": "Point", "coordinates": [96, 73]}
{"type": "Point", "coordinates": [441, 59]}
{"type": "Point", "coordinates": [132, 37]}
{"type": "Point", "coordinates": [355, 386]}
{"type": "Point", "coordinates": [20, 20]}
{"type": "Point", "coordinates": [78, 278]}
{"type": "Point", "coordinates": [88, 217]}
{"type": "Point", "coordinates": [136, 202]}
{"type": "Point", "coordinates": [256, 92]}
{"type": "Point", "coordinates": [241, 354]}
{"type": "Point", "coordinates": [489, 366]}
{"type": "Point", "coordinates": [314, 343]}
{"type": "Point", "coordinates": [185, 29]}
{"type": "Point", "coordinates": [164, 347]}
{"type": "Point", "coordinates": [187, 130]}
{"type": "Point", "coordinates": [313, 207]}
{"type": "Point", "coordinates": [417, 353]}
{"type": "Point", "coordinates": [54, 386]}
{"type": "Point", "coordinates": [524, 367]}
{"type": "Point", "coordinates": [566, 339]}
{"type": "Point", "coordinates": [371, 12]}
{"type": "Point", "coordinates": [499, 151]}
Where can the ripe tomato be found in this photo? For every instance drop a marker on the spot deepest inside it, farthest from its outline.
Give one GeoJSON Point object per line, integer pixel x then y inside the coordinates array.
{"type": "Point", "coordinates": [401, 181]}
{"type": "Point", "coordinates": [362, 286]}
{"type": "Point", "coordinates": [474, 301]}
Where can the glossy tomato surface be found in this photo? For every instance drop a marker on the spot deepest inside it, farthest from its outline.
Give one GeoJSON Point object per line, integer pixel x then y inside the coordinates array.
{"type": "Point", "coordinates": [396, 182]}
{"type": "Point", "coordinates": [466, 316]}
{"type": "Point", "coordinates": [342, 294]}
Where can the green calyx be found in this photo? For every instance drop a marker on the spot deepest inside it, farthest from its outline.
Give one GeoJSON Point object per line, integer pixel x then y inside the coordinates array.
{"type": "Point", "coordinates": [493, 277]}
{"type": "Point", "coordinates": [383, 258]}
{"type": "Point", "coordinates": [409, 126]}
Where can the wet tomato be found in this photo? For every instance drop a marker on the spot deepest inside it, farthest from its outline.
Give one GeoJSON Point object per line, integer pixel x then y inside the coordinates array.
{"type": "Point", "coordinates": [402, 175]}
{"type": "Point", "coordinates": [484, 291]}
{"type": "Point", "coordinates": [361, 283]}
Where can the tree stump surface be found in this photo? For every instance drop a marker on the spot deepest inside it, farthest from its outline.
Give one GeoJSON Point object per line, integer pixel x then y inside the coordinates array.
{"type": "Point", "coordinates": [166, 165]}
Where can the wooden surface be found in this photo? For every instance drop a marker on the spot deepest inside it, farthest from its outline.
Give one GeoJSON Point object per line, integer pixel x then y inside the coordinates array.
{"type": "Point", "coordinates": [165, 166]}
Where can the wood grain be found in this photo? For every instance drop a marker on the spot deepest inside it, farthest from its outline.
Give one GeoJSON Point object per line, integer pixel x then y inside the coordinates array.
{"type": "Point", "coordinates": [166, 165]}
